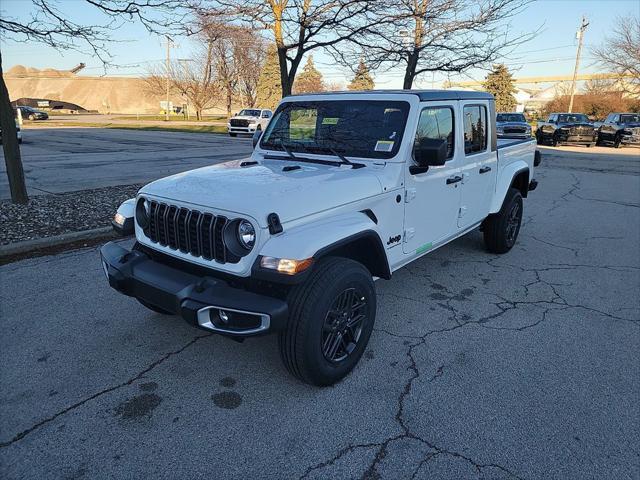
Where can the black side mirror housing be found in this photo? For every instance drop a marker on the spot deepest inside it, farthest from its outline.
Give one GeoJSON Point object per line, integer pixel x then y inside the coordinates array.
{"type": "Point", "coordinates": [256, 137]}
{"type": "Point", "coordinates": [431, 152]}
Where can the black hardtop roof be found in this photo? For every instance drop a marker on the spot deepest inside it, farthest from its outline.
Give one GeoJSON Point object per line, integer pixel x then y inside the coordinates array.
{"type": "Point", "coordinates": [568, 113]}
{"type": "Point", "coordinates": [424, 95]}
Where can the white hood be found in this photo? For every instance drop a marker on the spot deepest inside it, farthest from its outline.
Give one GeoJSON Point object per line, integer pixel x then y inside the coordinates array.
{"type": "Point", "coordinates": [258, 190]}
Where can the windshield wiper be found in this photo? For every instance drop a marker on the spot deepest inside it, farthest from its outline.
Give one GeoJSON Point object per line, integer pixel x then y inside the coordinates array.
{"type": "Point", "coordinates": [345, 160]}
{"type": "Point", "coordinates": [287, 151]}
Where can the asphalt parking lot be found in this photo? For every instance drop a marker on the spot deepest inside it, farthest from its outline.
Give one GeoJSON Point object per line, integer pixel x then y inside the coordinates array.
{"type": "Point", "coordinates": [59, 160]}
{"type": "Point", "coordinates": [522, 366]}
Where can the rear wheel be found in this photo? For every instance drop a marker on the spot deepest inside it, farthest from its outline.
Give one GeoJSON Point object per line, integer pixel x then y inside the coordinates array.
{"type": "Point", "coordinates": [501, 229]}
{"type": "Point", "coordinates": [331, 317]}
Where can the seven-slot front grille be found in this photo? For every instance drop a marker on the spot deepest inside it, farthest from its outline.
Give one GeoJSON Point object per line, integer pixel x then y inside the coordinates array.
{"type": "Point", "coordinates": [190, 231]}
{"type": "Point", "coordinates": [236, 122]}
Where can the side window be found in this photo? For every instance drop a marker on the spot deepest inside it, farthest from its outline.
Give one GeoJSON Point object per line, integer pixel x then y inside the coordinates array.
{"type": "Point", "coordinates": [609, 118]}
{"type": "Point", "coordinates": [475, 128]}
{"type": "Point", "coordinates": [616, 118]}
{"type": "Point", "coordinates": [266, 114]}
{"type": "Point", "coordinates": [436, 123]}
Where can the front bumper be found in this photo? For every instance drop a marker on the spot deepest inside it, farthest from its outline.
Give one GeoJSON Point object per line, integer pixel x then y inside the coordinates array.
{"type": "Point", "coordinates": [630, 139]}
{"type": "Point", "coordinates": [576, 138]}
{"type": "Point", "coordinates": [249, 129]}
{"type": "Point", "coordinates": [198, 300]}
{"type": "Point", "coordinates": [514, 135]}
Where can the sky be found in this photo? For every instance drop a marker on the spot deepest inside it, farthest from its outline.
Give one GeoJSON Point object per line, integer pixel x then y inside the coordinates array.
{"type": "Point", "coordinates": [551, 52]}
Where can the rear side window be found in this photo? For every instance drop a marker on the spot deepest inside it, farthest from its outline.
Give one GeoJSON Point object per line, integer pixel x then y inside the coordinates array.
{"type": "Point", "coordinates": [436, 123]}
{"type": "Point", "coordinates": [475, 128]}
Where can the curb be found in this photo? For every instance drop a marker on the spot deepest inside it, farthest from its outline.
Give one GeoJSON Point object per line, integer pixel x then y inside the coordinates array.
{"type": "Point", "coordinates": [27, 246]}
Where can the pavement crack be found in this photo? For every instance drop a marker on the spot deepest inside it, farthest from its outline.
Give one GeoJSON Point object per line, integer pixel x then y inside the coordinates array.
{"type": "Point", "coordinates": [138, 376]}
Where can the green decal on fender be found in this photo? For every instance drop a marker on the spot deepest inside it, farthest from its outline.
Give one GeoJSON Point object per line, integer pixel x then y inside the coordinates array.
{"type": "Point", "coordinates": [424, 248]}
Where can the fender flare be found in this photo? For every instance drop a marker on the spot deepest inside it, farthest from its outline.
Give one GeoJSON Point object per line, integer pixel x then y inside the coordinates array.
{"type": "Point", "coordinates": [504, 183]}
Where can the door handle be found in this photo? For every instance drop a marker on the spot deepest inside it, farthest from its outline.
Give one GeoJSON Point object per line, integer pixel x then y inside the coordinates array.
{"type": "Point", "coordinates": [485, 169]}
{"type": "Point", "coordinates": [455, 179]}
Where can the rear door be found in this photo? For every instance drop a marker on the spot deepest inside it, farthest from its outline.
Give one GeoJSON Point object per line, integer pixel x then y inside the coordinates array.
{"type": "Point", "coordinates": [432, 198]}
{"type": "Point", "coordinates": [479, 164]}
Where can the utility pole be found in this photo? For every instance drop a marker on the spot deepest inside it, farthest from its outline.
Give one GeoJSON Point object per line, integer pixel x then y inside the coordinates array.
{"type": "Point", "coordinates": [166, 107]}
{"type": "Point", "coordinates": [580, 36]}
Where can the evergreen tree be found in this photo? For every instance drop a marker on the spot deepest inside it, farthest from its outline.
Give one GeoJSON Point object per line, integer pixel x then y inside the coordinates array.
{"type": "Point", "coordinates": [269, 85]}
{"type": "Point", "coordinates": [310, 79]}
{"type": "Point", "coordinates": [499, 82]}
{"type": "Point", "coordinates": [362, 79]}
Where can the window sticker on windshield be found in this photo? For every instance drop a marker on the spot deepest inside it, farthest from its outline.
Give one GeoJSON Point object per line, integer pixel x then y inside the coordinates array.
{"type": "Point", "coordinates": [329, 121]}
{"type": "Point", "coordinates": [384, 146]}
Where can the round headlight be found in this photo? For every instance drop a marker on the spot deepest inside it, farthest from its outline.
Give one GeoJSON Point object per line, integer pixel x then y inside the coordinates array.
{"type": "Point", "coordinates": [142, 212]}
{"type": "Point", "coordinates": [246, 234]}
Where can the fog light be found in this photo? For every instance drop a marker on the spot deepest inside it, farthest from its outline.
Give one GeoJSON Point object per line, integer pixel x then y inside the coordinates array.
{"type": "Point", "coordinates": [223, 316]}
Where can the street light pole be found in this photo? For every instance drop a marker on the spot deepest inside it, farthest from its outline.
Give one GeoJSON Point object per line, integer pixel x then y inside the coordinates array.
{"type": "Point", "coordinates": [166, 107]}
{"type": "Point", "coordinates": [580, 35]}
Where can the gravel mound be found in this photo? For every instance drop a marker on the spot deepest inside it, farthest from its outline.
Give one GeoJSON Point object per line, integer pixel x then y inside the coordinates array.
{"type": "Point", "coordinates": [50, 215]}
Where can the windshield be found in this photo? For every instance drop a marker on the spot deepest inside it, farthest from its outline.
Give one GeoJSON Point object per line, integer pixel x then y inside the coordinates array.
{"type": "Point", "coordinates": [511, 117]}
{"type": "Point", "coordinates": [630, 118]}
{"type": "Point", "coordinates": [356, 128]}
{"type": "Point", "coordinates": [573, 118]}
{"type": "Point", "coordinates": [249, 113]}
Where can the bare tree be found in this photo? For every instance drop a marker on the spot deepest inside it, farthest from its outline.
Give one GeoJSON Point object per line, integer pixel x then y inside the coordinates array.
{"type": "Point", "coordinates": [620, 52]}
{"type": "Point", "coordinates": [250, 54]}
{"type": "Point", "coordinates": [194, 80]}
{"type": "Point", "coordinates": [299, 26]}
{"type": "Point", "coordinates": [46, 24]}
{"type": "Point", "coordinates": [435, 36]}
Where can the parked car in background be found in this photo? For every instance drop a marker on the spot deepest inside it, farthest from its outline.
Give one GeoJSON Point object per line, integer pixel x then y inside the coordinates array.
{"type": "Point", "coordinates": [512, 125]}
{"type": "Point", "coordinates": [575, 128]}
{"type": "Point", "coordinates": [620, 129]}
{"type": "Point", "coordinates": [248, 121]}
{"type": "Point", "coordinates": [33, 114]}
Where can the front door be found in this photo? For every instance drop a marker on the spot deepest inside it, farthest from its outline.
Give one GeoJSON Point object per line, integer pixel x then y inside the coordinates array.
{"type": "Point", "coordinates": [478, 167]}
{"type": "Point", "coordinates": [432, 198]}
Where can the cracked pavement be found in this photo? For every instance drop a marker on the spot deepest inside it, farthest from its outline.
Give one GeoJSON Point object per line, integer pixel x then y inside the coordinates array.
{"type": "Point", "coordinates": [521, 366]}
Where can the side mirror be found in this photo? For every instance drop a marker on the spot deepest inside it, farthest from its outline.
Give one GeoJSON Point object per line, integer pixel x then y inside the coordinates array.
{"type": "Point", "coordinates": [431, 152]}
{"type": "Point", "coordinates": [256, 137]}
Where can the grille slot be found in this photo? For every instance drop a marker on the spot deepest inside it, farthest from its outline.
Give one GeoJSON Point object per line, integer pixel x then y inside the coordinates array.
{"type": "Point", "coordinates": [581, 130]}
{"type": "Point", "coordinates": [190, 231]}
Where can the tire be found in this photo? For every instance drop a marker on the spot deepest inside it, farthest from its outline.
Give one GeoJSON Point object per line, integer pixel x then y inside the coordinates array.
{"type": "Point", "coordinates": [539, 139]}
{"type": "Point", "coordinates": [311, 346]}
{"type": "Point", "coordinates": [617, 143]}
{"type": "Point", "coordinates": [501, 229]}
{"type": "Point", "coordinates": [589, 145]}
{"type": "Point", "coordinates": [159, 310]}
{"type": "Point", "coordinates": [32, 117]}
{"type": "Point", "coordinates": [233, 134]}
{"type": "Point", "coordinates": [20, 141]}
{"type": "Point", "coordinates": [554, 142]}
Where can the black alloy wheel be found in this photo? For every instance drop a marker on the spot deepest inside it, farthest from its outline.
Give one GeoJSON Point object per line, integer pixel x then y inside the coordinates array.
{"type": "Point", "coordinates": [342, 326]}
{"type": "Point", "coordinates": [514, 218]}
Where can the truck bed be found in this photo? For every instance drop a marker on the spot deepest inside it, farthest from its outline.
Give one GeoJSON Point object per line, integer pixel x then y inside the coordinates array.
{"type": "Point", "coordinates": [508, 142]}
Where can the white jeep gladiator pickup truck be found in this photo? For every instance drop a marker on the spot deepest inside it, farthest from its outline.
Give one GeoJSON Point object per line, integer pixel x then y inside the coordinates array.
{"type": "Point", "coordinates": [341, 189]}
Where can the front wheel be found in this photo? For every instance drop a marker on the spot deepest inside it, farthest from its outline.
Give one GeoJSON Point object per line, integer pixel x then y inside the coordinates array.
{"type": "Point", "coordinates": [32, 117]}
{"type": "Point", "coordinates": [617, 142]}
{"type": "Point", "coordinates": [331, 317]}
{"type": "Point", "coordinates": [501, 229]}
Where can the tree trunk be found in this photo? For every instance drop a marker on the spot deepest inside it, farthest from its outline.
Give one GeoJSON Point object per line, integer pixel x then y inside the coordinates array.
{"type": "Point", "coordinates": [10, 145]}
{"type": "Point", "coordinates": [284, 75]}
{"type": "Point", "coordinates": [229, 101]}
{"type": "Point", "coordinates": [410, 72]}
